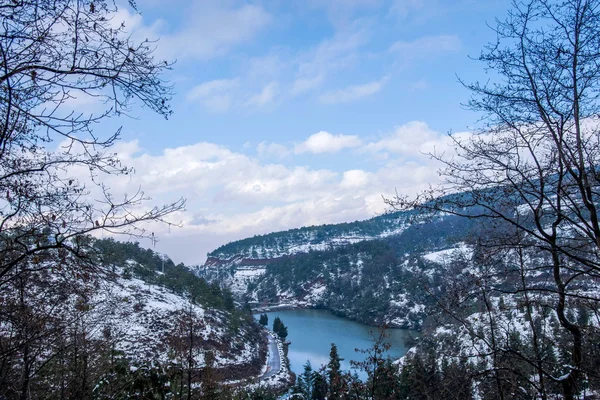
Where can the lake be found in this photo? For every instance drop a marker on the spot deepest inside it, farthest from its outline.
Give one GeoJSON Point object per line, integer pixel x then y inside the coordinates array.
{"type": "Point", "coordinates": [312, 332]}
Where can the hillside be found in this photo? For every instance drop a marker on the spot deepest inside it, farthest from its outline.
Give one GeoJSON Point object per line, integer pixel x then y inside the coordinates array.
{"type": "Point", "coordinates": [136, 325]}
{"type": "Point", "coordinates": [161, 304]}
{"type": "Point", "coordinates": [485, 298]}
{"type": "Point", "coordinates": [152, 311]}
{"type": "Point", "coordinates": [370, 271]}
{"type": "Point", "coordinates": [302, 240]}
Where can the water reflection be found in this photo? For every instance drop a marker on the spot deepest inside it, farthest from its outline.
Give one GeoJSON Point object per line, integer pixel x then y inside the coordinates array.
{"type": "Point", "coordinates": [312, 332]}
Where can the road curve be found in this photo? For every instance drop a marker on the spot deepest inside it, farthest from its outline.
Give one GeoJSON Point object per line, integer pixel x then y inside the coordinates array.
{"type": "Point", "coordinates": [274, 357]}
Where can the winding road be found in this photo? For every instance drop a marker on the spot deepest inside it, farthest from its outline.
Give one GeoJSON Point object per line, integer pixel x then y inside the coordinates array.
{"type": "Point", "coordinates": [274, 358]}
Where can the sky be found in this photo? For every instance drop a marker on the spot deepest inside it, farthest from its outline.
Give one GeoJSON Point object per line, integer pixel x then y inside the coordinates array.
{"type": "Point", "coordinates": [294, 113]}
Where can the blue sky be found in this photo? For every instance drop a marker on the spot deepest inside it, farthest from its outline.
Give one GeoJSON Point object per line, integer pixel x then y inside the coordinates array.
{"type": "Point", "coordinates": [291, 113]}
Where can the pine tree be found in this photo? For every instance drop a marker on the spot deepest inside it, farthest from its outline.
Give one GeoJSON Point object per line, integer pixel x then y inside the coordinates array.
{"type": "Point", "coordinates": [283, 332]}
{"type": "Point", "coordinates": [336, 383]}
{"type": "Point", "coordinates": [306, 380]}
{"type": "Point", "coordinates": [210, 388]}
{"type": "Point", "coordinates": [319, 386]}
{"type": "Point", "coordinates": [276, 324]}
{"type": "Point", "coordinates": [375, 361]}
{"type": "Point", "coordinates": [264, 319]}
{"type": "Point", "coordinates": [279, 328]}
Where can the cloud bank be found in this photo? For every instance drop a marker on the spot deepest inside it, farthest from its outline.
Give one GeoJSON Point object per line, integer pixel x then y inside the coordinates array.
{"type": "Point", "coordinates": [232, 195]}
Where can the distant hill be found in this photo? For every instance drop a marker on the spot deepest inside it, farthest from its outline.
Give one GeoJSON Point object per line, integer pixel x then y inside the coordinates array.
{"type": "Point", "coordinates": [369, 271]}
{"type": "Point", "coordinates": [302, 240]}
{"type": "Point", "coordinates": [482, 292]}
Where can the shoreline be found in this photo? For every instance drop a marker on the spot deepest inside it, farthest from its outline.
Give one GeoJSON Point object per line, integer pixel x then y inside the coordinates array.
{"type": "Point", "coordinates": [290, 307]}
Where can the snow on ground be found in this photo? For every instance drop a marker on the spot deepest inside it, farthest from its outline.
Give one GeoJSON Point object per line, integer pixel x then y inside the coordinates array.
{"type": "Point", "coordinates": [238, 284]}
{"type": "Point", "coordinates": [316, 292]}
{"type": "Point", "coordinates": [144, 318]}
{"type": "Point", "coordinates": [405, 312]}
{"type": "Point", "coordinates": [392, 232]}
{"type": "Point", "coordinates": [281, 378]}
{"type": "Point", "coordinates": [441, 255]}
{"type": "Point", "coordinates": [401, 300]}
{"type": "Point", "coordinates": [511, 320]}
{"type": "Point", "coordinates": [309, 242]}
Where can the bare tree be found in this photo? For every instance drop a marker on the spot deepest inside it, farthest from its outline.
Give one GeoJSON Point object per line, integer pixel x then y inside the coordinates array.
{"type": "Point", "coordinates": [52, 53]}
{"type": "Point", "coordinates": [186, 343]}
{"type": "Point", "coordinates": [534, 163]}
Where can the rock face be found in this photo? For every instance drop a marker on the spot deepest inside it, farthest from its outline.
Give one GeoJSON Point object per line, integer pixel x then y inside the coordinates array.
{"type": "Point", "coordinates": [371, 271]}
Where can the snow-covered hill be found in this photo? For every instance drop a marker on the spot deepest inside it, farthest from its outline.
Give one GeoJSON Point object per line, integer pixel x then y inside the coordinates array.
{"type": "Point", "coordinates": [147, 321]}
{"type": "Point", "coordinates": [368, 271]}
{"type": "Point", "coordinates": [158, 313]}
{"type": "Point", "coordinates": [303, 240]}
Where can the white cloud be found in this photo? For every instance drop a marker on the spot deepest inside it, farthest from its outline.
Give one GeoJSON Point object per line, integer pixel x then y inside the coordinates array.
{"type": "Point", "coordinates": [82, 102]}
{"type": "Point", "coordinates": [266, 96]}
{"type": "Point", "coordinates": [414, 140]}
{"type": "Point", "coordinates": [209, 29]}
{"type": "Point", "coordinates": [221, 94]}
{"type": "Point", "coordinates": [333, 53]}
{"type": "Point", "coordinates": [409, 138]}
{"type": "Point", "coordinates": [212, 30]}
{"type": "Point", "coordinates": [325, 142]}
{"type": "Point", "coordinates": [275, 150]}
{"type": "Point", "coordinates": [352, 93]}
{"type": "Point", "coordinates": [273, 182]}
{"type": "Point", "coordinates": [341, 51]}
{"type": "Point", "coordinates": [303, 85]}
{"type": "Point", "coordinates": [208, 88]}
{"type": "Point", "coordinates": [129, 19]}
{"type": "Point", "coordinates": [215, 96]}
{"type": "Point", "coordinates": [427, 45]}
{"type": "Point", "coordinates": [231, 195]}
{"type": "Point", "coordinates": [355, 178]}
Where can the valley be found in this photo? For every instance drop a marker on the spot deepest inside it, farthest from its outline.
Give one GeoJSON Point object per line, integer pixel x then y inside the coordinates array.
{"type": "Point", "coordinates": [311, 332]}
{"type": "Point", "coordinates": [321, 155]}
{"type": "Point", "coordinates": [368, 271]}
{"type": "Point", "coordinates": [475, 296]}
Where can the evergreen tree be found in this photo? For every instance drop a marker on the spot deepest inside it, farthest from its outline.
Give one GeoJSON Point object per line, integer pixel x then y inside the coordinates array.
{"type": "Point", "coordinates": [283, 332]}
{"type": "Point", "coordinates": [210, 388]}
{"type": "Point", "coordinates": [387, 385]}
{"type": "Point", "coordinates": [264, 319]}
{"type": "Point", "coordinates": [319, 391]}
{"type": "Point", "coordinates": [306, 380]}
{"type": "Point", "coordinates": [279, 328]}
{"type": "Point", "coordinates": [53, 196]}
{"type": "Point", "coordinates": [537, 151]}
{"type": "Point", "coordinates": [276, 324]}
{"type": "Point", "coordinates": [336, 383]}
{"type": "Point", "coordinates": [296, 391]}
{"type": "Point", "coordinates": [356, 388]}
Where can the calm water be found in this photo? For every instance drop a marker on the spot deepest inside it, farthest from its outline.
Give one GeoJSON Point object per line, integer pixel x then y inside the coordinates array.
{"type": "Point", "coordinates": [312, 332]}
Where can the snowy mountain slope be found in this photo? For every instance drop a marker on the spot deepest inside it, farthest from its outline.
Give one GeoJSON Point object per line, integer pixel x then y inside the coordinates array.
{"type": "Point", "coordinates": [497, 312]}
{"type": "Point", "coordinates": [160, 313]}
{"type": "Point", "coordinates": [374, 271]}
{"type": "Point", "coordinates": [112, 321]}
{"type": "Point", "coordinates": [146, 321]}
{"type": "Point", "coordinates": [372, 279]}
{"type": "Point", "coordinates": [314, 238]}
